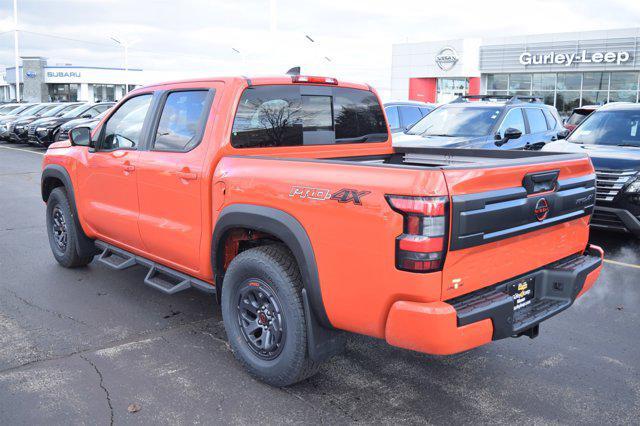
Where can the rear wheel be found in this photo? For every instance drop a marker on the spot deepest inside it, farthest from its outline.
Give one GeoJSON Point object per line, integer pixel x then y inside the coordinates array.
{"type": "Point", "coordinates": [62, 231]}
{"type": "Point", "coordinates": [264, 316]}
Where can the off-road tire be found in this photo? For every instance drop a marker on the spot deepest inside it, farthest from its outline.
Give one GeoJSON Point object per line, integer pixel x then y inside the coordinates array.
{"type": "Point", "coordinates": [68, 256]}
{"type": "Point", "coordinates": [271, 268]}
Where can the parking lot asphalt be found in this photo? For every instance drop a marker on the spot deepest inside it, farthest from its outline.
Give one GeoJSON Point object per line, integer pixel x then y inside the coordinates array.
{"type": "Point", "coordinates": [82, 345]}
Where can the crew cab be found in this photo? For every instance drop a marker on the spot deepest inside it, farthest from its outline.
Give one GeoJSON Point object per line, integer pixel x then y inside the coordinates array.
{"type": "Point", "coordinates": [486, 122]}
{"type": "Point", "coordinates": [285, 198]}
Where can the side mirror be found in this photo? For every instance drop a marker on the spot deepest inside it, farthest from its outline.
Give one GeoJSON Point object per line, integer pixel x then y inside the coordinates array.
{"type": "Point", "coordinates": [510, 133]}
{"type": "Point", "coordinates": [562, 134]}
{"type": "Point", "coordinates": [80, 136]}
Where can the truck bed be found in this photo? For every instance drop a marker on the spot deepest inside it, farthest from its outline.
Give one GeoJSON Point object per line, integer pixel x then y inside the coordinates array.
{"type": "Point", "coordinates": [456, 158]}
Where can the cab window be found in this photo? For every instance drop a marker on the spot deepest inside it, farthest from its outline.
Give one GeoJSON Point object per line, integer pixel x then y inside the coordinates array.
{"type": "Point", "coordinates": [392, 117]}
{"type": "Point", "coordinates": [291, 115]}
{"type": "Point", "coordinates": [124, 127]}
{"type": "Point", "coordinates": [537, 122]}
{"type": "Point", "coordinates": [182, 121]}
{"type": "Point", "coordinates": [513, 119]}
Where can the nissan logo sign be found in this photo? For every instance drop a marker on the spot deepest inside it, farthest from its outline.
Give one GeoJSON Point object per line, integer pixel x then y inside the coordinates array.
{"type": "Point", "coordinates": [447, 58]}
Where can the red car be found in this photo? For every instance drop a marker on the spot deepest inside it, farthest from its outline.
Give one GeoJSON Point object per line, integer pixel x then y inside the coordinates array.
{"type": "Point", "coordinates": [578, 115]}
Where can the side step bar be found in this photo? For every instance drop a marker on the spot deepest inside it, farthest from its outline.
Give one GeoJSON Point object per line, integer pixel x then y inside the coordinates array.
{"type": "Point", "coordinates": [159, 277]}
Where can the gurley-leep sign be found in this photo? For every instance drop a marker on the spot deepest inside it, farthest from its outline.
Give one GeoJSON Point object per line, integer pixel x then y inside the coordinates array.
{"type": "Point", "coordinates": [575, 58]}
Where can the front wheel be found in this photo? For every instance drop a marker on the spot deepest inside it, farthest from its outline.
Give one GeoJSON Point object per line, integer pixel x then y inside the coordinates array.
{"type": "Point", "coordinates": [264, 316]}
{"type": "Point", "coordinates": [62, 231]}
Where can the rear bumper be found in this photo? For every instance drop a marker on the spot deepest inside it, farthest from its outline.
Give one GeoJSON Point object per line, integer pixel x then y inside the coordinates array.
{"type": "Point", "coordinates": [614, 219]}
{"type": "Point", "coordinates": [444, 328]}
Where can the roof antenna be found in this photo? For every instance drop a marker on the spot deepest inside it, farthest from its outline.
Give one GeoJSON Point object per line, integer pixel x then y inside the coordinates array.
{"type": "Point", "coordinates": [294, 71]}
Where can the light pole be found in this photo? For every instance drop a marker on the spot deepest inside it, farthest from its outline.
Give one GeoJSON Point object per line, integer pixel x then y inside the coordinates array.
{"type": "Point", "coordinates": [125, 45]}
{"type": "Point", "coordinates": [15, 48]}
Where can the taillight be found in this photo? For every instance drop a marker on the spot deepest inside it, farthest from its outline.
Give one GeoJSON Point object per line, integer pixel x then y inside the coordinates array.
{"type": "Point", "coordinates": [423, 244]}
{"type": "Point", "coordinates": [313, 79]}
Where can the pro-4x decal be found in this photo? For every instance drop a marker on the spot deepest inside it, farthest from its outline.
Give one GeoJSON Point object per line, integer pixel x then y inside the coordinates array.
{"type": "Point", "coordinates": [344, 195]}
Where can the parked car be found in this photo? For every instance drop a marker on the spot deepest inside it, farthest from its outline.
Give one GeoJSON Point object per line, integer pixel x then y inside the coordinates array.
{"type": "Point", "coordinates": [19, 132]}
{"type": "Point", "coordinates": [489, 122]}
{"type": "Point", "coordinates": [6, 109]}
{"type": "Point", "coordinates": [63, 134]}
{"type": "Point", "coordinates": [284, 197]}
{"type": "Point", "coordinates": [402, 115]}
{"type": "Point", "coordinates": [44, 132]}
{"type": "Point", "coordinates": [6, 121]}
{"type": "Point", "coordinates": [611, 137]}
{"type": "Point", "coordinates": [578, 115]}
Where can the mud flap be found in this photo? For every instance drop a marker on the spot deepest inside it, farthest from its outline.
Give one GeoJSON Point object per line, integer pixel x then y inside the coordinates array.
{"type": "Point", "coordinates": [323, 343]}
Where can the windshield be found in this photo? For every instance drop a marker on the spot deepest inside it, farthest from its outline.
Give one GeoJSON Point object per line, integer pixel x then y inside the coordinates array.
{"type": "Point", "coordinates": [76, 111]}
{"type": "Point", "coordinates": [457, 121]}
{"type": "Point", "coordinates": [29, 110]}
{"type": "Point", "coordinates": [8, 108]}
{"type": "Point", "coordinates": [609, 128]}
{"type": "Point", "coordinates": [58, 109]}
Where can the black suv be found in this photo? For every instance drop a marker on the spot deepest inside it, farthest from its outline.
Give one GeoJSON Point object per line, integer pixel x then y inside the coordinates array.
{"type": "Point", "coordinates": [486, 122]}
{"type": "Point", "coordinates": [611, 137]}
{"type": "Point", "coordinates": [45, 130]}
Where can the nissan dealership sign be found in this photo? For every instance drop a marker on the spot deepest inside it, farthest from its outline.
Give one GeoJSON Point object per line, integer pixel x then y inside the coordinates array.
{"type": "Point", "coordinates": [574, 58]}
{"type": "Point", "coordinates": [446, 58]}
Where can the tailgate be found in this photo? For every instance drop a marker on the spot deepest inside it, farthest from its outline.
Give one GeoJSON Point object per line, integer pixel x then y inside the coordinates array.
{"type": "Point", "coordinates": [507, 221]}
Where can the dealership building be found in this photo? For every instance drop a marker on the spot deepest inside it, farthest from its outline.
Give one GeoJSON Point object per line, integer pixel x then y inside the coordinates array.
{"type": "Point", "coordinates": [567, 70]}
{"type": "Point", "coordinates": [40, 82]}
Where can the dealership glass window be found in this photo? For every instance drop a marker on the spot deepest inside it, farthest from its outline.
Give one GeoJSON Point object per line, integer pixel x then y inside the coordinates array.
{"type": "Point", "coordinates": [593, 97]}
{"type": "Point", "coordinates": [624, 81]}
{"type": "Point", "coordinates": [566, 101]}
{"type": "Point", "coordinates": [544, 81]}
{"type": "Point", "coordinates": [569, 81]}
{"type": "Point", "coordinates": [104, 92]}
{"type": "Point", "coordinates": [595, 81]}
{"type": "Point", "coordinates": [548, 97]}
{"type": "Point", "coordinates": [497, 82]}
{"type": "Point", "coordinates": [63, 92]}
{"type": "Point", "coordinates": [623, 96]}
{"type": "Point", "coordinates": [520, 82]}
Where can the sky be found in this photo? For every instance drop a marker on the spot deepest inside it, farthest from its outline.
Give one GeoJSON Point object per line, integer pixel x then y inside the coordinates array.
{"type": "Point", "coordinates": [352, 39]}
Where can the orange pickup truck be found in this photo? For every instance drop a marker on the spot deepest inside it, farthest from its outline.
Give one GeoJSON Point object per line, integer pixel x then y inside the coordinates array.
{"type": "Point", "coordinates": [285, 197]}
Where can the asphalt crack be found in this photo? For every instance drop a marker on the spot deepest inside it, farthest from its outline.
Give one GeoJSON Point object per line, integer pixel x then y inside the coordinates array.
{"type": "Point", "coordinates": [43, 309]}
{"type": "Point", "coordinates": [106, 391]}
{"type": "Point", "coordinates": [132, 339]}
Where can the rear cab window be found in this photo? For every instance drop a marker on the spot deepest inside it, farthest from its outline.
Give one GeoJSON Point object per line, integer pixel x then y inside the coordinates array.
{"type": "Point", "coordinates": [292, 115]}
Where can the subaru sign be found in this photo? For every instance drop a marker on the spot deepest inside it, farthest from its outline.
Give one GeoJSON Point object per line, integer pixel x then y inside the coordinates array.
{"type": "Point", "coordinates": [31, 74]}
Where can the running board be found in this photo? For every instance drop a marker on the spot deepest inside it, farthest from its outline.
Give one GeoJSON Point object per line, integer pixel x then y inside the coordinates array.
{"type": "Point", "coordinates": [159, 277]}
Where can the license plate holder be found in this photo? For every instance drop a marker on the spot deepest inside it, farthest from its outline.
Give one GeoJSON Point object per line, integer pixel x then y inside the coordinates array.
{"type": "Point", "coordinates": [522, 292]}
